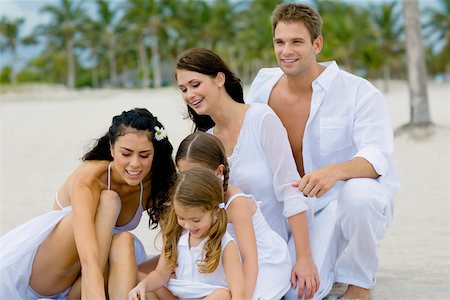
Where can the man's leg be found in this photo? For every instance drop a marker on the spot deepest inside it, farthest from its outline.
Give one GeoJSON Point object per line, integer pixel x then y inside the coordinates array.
{"type": "Point", "coordinates": [364, 212]}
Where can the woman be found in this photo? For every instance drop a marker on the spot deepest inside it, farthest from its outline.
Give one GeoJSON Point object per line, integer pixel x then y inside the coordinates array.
{"type": "Point", "coordinates": [129, 169]}
{"type": "Point", "coordinates": [258, 150]}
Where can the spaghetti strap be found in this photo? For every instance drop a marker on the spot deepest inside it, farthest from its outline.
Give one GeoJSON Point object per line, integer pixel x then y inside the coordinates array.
{"type": "Point", "coordinates": [235, 196]}
{"type": "Point", "coordinates": [109, 176]}
{"type": "Point", "coordinates": [57, 201]}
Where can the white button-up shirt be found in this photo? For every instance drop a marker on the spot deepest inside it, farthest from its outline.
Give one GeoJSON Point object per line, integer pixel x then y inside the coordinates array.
{"type": "Point", "coordinates": [348, 118]}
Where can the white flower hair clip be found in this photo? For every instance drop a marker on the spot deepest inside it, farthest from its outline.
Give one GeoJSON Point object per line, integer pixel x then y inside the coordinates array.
{"type": "Point", "coordinates": [221, 205]}
{"type": "Point", "coordinates": [160, 133]}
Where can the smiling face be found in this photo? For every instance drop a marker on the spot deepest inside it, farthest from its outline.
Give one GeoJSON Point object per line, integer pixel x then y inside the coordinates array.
{"type": "Point", "coordinates": [293, 48]}
{"type": "Point", "coordinates": [194, 219]}
{"type": "Point", "coordinates": [133, 155]}
{"type": "Point", "coordinates": [198, 90]}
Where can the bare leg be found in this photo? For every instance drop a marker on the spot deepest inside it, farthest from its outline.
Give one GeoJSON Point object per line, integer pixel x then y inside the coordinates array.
{"type": "Point", "coordinates": [162, 293]}
{"type": "Point", "coordinates": [123, 267]}
{"type": "Point", "coordinates": [355, 292]}
{"type": "Point", "coordinates": [219, 294]}
{"type": "Point", "coordinates": [56, 265]}
{"type": "Point", "coordinates": [147, 266]}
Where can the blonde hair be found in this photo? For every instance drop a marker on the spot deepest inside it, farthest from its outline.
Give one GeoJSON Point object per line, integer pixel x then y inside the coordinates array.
{"type": "Point", "coordinates": [197, 187]}
{"type": "Point", "coordinates": [206, 149]}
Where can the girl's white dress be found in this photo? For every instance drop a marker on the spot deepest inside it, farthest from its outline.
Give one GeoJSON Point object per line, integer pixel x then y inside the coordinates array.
{"type": "Point", "coordinates": [18, 248]}
{"type": "Point", "coordinates": [190, 283]}
{"type": "Point", "coordinates": [274, 262]}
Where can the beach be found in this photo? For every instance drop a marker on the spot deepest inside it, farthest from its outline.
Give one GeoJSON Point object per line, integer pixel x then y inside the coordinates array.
{"type": "Point", "coordinates": [44, 133]}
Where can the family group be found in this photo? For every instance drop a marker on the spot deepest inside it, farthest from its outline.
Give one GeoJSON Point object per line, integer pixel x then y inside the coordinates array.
{"type": "Point", "coordinates": [278, 195]}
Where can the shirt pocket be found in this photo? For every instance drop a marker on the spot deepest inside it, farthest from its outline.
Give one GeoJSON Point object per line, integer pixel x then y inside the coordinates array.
{"type": "Point", "coordinates": [334, 134]}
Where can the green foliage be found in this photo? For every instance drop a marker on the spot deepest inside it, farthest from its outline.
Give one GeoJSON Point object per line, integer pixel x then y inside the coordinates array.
{"type": "Point", "coordinates": [137, 41]}
{"type": "Point", "coordinates": [4, 74]}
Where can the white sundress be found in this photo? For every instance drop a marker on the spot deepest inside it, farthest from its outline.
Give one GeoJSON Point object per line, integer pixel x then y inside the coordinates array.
{"type": "Point", "coordinates": [190, 283]}
{"type": "Point", "coordinates": [18, 248]}
{"type": "Point", "coordinates": [274, 262]}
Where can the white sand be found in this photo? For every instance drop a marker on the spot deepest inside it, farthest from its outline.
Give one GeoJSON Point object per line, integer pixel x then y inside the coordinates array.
{"type": "Point", "coordinates": [44, 133]}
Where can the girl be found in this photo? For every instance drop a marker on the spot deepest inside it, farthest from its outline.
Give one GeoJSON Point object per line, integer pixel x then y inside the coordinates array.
{"type": "Point", "coordinates": [258, 151]}
{"type": "Point", "coordinates": [130, 169]}
{"type": "Point", "coordinates": [264, 254]}
{"type": "Point", "coordinates": [196, 245]}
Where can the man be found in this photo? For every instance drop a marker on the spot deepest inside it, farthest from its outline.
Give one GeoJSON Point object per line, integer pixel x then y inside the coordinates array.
{"type": "Point", "coordinates": [341, 138]}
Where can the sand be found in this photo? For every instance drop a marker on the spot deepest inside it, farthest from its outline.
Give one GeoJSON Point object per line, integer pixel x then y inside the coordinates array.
{"type": "Point", "coordinates": [45, 131]}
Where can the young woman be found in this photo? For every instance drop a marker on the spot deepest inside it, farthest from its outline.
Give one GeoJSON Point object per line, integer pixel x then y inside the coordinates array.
{"type": "Point", "coordinates": [258, 151]}
{"type": "Point", "coordinates": [264, 254]}
{"type": "Point", "coordinates": [129, 170]}
{"type": "Point", "coordinates": [196, 245]}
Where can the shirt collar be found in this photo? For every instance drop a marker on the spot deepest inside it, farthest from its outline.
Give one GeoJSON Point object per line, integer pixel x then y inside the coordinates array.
{"type": "Point", "coordinates": [327, 76]}
{"type": "Point", "coordinates": [184, 241]}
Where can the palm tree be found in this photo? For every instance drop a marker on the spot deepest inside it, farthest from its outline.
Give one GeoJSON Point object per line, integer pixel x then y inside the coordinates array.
{"type": "Point", "coordinates": [107, 20]}
{"type": "Point", "coordinates": [386, 18]}
{"type": "Point", "coordinates": [63, 28]}
{"type": "Point", "coordinates": [341, 41]}
{"type": "Point", "coordinates": [92, 40]}
{"type": "Point", "coordinates": [417, 77]}
{"type": "Point", "coordinates": [9, 40]}
{"type": "Point", "coordinates": [146, 18]}
{"type": "Point", "coordinates": [437, 28]}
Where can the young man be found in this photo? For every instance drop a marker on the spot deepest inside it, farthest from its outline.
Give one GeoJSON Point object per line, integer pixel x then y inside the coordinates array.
{"type": "Point", "coordinates": [341, 137]}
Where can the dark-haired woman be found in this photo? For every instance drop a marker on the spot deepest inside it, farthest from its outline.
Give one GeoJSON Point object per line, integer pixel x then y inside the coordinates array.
{"type": "Point", "coordinates": [129, 170]}
{"type": "Point", "coordinates": [258, 150]}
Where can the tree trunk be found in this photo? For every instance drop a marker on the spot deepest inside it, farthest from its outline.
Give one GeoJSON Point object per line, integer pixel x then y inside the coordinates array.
{"type": "Point", "coordinates": [70, 65]}
{"type": "Point", "coordinates": [12, 74]}
{"type": "Point", "coordinates": [95, 81]}
{"type": "Point", "coordinates": [417, 77]}
{"type": "Point", "coordinates": [112, 62]}
{"type": "Point", "coordinates": [155, 52]}
{"type": "Point", "coordinates": [386, 77]}
{"type": "Point", "coordinates": [143, 61]}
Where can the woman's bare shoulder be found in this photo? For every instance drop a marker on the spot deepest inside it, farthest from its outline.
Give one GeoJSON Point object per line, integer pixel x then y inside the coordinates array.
{"type": "Point", "coordinates": [89, 172]}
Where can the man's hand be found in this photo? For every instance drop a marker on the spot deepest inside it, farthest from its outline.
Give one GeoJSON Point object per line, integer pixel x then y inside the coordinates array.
{"type": "Point", "coordinates": [305, 272]}
{"type": "Point", "coordinates": [318, 182]}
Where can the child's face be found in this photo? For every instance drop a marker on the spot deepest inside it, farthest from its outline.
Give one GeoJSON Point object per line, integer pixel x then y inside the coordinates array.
{"type": "Point", "coordinates": [194, 219]}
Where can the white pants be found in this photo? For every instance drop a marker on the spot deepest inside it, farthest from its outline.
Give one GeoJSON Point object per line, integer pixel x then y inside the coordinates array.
{"type": "Point", "coordinates": [344, 236]}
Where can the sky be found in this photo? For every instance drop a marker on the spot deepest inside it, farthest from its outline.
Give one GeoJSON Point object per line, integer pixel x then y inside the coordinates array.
{"type": "Point", "coordinates": [29, 10]}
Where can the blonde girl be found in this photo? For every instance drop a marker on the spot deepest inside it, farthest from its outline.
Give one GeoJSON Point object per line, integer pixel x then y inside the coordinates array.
{"type": "Point", "coordinates": [196, 245]}
{"type": "Point", "coordinates": [264, 254]}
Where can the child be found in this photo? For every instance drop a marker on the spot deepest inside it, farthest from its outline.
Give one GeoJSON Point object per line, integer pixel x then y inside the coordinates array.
{"type": "Point", "coordinates": [264, 253]}
{"type": "Point", "coordinates": [196, 245]}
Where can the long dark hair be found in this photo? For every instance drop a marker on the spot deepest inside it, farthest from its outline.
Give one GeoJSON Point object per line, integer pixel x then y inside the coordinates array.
{"type": "Point", "coordinates": [207, 62]}
{"type": "Point", "coordinates": [163, 172]}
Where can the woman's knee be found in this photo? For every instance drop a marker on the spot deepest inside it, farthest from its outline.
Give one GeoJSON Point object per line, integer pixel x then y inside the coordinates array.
{"type": "Point", "coordinates": [121, 244]}
{"type": "Point", "coordinates": [109, 201]}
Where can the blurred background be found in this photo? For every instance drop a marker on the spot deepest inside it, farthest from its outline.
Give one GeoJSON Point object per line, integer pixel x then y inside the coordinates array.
{"type": "Point", "coordinates": [134, 43]}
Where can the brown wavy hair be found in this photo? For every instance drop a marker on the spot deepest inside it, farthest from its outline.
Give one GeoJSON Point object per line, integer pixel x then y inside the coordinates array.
{"type": "Point", "coordinates": [197, 187]}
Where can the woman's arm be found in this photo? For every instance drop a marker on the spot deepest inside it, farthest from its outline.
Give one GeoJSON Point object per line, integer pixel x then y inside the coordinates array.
{"type": "Point", "coordinates": [85, 199]}
{"type": "Point", "coordinates": [233, 271]}
{"type": "Point", "coordinates": [240, 213]}
{"type": "Point", "coordinates": [153, 281]}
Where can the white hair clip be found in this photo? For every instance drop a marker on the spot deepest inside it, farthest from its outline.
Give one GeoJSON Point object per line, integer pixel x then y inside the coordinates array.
{"type": "Point", "coordinates": [221, 205]}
